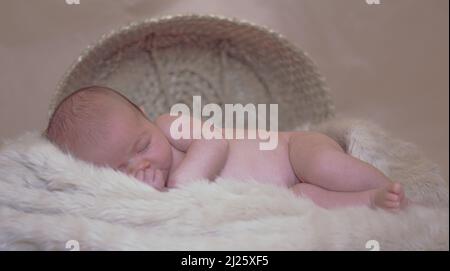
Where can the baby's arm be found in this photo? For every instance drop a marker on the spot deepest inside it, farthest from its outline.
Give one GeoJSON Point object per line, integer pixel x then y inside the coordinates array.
{"type": "Point", "coordinates": [204, 158]}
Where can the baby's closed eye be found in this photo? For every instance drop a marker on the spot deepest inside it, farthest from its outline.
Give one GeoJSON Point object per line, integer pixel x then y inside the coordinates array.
{"type": "Point", "coordinates": [143, 145]}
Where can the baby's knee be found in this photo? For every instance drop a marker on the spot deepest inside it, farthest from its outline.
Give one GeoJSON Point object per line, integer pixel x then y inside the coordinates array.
{"type": "Point", "coordinates": [319, 157]}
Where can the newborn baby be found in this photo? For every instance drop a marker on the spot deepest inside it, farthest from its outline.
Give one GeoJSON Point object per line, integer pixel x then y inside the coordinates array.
{"type": "Point", "coordinates": [101, 126]}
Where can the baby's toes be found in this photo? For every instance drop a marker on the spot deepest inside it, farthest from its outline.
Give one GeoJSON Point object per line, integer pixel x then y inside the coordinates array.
{"type": "Point", "coordinates": [392, 197]}
{"type": "Point", "coordinates": [395, 188]}
{"type": "Point", "coordinates": [392, 204]}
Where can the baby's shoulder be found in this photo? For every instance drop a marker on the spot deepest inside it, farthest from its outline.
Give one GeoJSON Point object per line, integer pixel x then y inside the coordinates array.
{"type": "Point", "coordinates": [164, 119]}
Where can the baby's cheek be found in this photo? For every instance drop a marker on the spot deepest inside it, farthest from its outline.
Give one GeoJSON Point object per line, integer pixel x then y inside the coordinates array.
{"type": "Point", "coordinates": [156, 156]}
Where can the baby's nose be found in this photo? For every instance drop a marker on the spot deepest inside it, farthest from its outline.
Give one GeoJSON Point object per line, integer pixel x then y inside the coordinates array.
{"type": "Point", "coordinates": [139, 165]}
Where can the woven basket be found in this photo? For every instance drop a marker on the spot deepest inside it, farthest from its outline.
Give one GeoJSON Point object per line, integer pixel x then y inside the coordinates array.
{"type": "Point", "coordinates": [160, 62]}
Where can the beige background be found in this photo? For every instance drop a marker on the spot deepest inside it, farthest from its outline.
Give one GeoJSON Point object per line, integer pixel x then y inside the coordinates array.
{"type": "Point", "coordinates": [387, 63]}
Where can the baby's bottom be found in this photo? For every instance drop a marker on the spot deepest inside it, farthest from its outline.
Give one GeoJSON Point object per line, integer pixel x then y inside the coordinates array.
{"type": "Point", "coordinates": [332, 178]}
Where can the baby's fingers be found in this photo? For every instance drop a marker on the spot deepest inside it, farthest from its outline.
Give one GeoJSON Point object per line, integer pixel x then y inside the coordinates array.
{"type": "Point", "coordinates": [140, 175]}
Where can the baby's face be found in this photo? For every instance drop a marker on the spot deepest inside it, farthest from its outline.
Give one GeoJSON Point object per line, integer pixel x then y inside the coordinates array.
{"type": "Point", "coordinates": [134, 146]}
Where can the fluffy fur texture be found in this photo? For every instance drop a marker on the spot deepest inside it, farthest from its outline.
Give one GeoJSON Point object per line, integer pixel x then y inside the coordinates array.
{"type": "Point", "coordinates": [48, 198]}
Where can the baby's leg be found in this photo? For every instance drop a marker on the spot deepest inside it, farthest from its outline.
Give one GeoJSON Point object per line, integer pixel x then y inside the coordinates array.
{"type": "Point", "coordinates": [319, 161]}
{"type": "Point", "coordinates": [388, 197]}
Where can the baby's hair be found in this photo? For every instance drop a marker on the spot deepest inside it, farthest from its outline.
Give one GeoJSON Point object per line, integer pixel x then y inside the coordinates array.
{"type": "Point", "coordinates": [81, 108]}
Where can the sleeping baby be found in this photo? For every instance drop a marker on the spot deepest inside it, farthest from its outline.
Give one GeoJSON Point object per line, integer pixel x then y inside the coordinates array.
{"type": "Point", "coordinates": [101, 126]}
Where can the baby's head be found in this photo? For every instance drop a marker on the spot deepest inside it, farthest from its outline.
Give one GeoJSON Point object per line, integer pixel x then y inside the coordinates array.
{"type": "Point", "coordinates": [101, 126]}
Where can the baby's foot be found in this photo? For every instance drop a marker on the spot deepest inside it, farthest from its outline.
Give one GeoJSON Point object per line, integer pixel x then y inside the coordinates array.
{"type": "Point", "coordinates": [390, 197]}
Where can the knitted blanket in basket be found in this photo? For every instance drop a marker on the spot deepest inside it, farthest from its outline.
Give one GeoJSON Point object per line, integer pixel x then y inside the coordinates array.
{"type": "Point", "coordinates": [48, 198]}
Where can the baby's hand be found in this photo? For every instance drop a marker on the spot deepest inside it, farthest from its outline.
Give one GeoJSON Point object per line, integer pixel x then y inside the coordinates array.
{"type": "Point", "coordinates": [173, 181]}
{"type": "Point", "coordinates": [152, 177]}
{"type": "Point", "coordinates": [159, 180]}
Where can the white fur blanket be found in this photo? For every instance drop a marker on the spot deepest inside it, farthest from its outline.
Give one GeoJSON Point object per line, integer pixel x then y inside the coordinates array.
{"type": "Point", "coordinates": [48, 198]}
